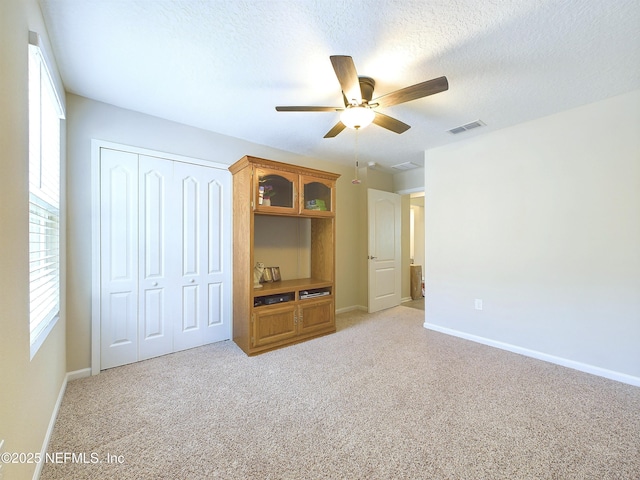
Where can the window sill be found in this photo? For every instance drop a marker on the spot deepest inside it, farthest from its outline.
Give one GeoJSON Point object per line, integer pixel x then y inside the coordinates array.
{"type": "Point", "coordinates": [37, 342]}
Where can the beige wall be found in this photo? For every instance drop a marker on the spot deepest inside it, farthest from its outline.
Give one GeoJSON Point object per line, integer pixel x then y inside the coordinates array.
{"type": "Point", "coordinates": [542, 222]}
{"type": "Point", "coordinates": [29, 389]}
{"type": "Point", "coordinates": [88, 119]}
{"type": "Point", "coordinates": [409, 181]}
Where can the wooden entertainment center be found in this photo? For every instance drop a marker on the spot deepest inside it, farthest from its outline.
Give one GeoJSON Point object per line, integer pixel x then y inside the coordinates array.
{"type": "Point", "coordinates": [268, 199]}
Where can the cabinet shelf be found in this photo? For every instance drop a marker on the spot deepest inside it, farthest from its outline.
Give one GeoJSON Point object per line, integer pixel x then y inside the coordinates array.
{"type": "Point", "coordinates": [284, 286]}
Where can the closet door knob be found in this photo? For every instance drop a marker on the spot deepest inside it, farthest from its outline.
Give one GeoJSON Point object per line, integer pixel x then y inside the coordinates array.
{"type": "Point", "coordinates": [193, 280]}
{"type": "Point", "coordinates": [155, 284]}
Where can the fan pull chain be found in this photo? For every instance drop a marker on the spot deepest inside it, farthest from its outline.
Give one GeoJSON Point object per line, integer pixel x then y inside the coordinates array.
{"type": "Point", "coordinates": [355, 181]}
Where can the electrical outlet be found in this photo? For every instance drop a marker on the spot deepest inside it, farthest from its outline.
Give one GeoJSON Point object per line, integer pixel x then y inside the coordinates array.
{"type": "Point", "coordinates": [478, 304]}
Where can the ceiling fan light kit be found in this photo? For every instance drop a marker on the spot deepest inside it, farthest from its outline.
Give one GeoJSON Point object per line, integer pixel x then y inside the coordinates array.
{"type": "Point", "coordinates": [359, 106]}
{"type": "Point", "coordinates": [357, 117]}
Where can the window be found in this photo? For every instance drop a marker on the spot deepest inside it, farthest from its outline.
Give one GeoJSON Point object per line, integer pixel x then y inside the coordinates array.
{"type": "Point", "coordinates": [45, 113]}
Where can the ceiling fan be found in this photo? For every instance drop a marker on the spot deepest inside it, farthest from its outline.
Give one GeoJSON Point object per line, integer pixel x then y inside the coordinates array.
{"type": "Point", "coordinates": [357, 92]}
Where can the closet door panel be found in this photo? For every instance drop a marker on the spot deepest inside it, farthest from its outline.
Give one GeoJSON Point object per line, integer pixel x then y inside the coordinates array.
{"type": "Point", "coordinates": [188, 330]}
{"type": "Point", "coordinates": [215, 303]}
{"type": "Point", "coordinates": [204, 267]}
{"type": "Point", "coordinates": [191, 221]}
{"type": "Point", "coordinates": [217, 263]}
{"type": "Point", "coordinates": [118, 258]}
{"type": "Point", "coordinates": [157, 273]}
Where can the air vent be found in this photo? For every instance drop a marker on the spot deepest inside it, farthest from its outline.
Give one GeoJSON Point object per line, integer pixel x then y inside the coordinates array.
{"type": "Point", "coordinates": [467, 126]}
{"type": "Point", "coordinates": [405, 166]}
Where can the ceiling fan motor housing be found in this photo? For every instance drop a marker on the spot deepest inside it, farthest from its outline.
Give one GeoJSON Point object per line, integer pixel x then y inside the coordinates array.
{"type": "Point", "coordinates": [367, 84]}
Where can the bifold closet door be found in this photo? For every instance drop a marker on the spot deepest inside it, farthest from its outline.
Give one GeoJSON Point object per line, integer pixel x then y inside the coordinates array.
{"type": "Point", "coordinates": [204, 315]}
{"type": "Point", "coordinates": [164, 274]}
{"type": "Point", "coordinates": [118, 258]}
{"type": "Point", "coordinates": [158, 267]}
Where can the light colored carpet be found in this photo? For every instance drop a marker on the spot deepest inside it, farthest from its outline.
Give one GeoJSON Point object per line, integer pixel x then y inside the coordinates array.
{"type": "Point", "coordinates": [383, 398]}
{"type": "Point", "coordinates": [419, 304]}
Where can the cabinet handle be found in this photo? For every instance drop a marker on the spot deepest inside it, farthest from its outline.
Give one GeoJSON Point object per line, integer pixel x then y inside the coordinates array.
{"type": "Point", "coordinates": [295, 317]}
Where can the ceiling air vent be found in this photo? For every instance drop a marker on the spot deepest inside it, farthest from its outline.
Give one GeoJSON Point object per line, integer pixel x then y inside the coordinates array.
{"type": "Point", "coordinates": [467, 126]}
{"type": "Point", "coordinates": [405, 166]}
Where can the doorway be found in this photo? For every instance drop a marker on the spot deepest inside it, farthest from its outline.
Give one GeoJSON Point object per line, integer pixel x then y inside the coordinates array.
{"type": "Point", "coordinates": [417, 248]}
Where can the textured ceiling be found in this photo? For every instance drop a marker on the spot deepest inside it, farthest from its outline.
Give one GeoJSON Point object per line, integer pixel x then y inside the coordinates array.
{"type": "Point", "coordinates": [224, 65]}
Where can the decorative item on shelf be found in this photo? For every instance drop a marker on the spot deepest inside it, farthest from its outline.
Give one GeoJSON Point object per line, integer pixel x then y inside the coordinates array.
{"type": "Point", "coordinates": [265, 192]}
{"type": "Point", "coordinates": [257, 274]}
{"type": "Point", "coordinates": [275, 274]}
{"type": "Point", "coordinates": [266, 275]}
{"type": "Point", "coordinates": [316, 204]}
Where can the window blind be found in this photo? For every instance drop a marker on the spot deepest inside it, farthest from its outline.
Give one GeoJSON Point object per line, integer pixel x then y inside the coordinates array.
{"type": "Point", "coordinates": [45, 113]}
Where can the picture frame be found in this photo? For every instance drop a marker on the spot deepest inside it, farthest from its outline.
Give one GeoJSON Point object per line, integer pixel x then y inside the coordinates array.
{"type": "Point", "coordinates": [266, 275]}
{"type": "Point", "coordinates": [275, 274]}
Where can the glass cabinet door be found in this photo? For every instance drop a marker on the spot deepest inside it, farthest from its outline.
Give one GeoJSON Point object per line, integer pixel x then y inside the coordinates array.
{"type": "Point", "coordinates": [317, 196]}
{"type": "Point", "coordinates": [275, 191]}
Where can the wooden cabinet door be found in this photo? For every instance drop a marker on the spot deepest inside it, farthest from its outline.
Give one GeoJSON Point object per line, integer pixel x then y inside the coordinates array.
{"type": "Point", "coordinates": [317, 196]}
{"type": "Point", "coordinates": [315, 316]}
{"type": "Point", "coordinates": [275, 191]}
{"type": "Point", "coordinates": [273, 324]}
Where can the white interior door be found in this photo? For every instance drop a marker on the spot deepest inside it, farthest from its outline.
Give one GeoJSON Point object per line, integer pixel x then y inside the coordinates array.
{"type": "Point", "coordinates": [384, 213]}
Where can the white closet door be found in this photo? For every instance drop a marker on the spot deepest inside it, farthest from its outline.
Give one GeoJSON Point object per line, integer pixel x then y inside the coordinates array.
{"type": "Point", "coordinates": [118, 258]}
{"type": "Point", "coordinates": [158, 271]}
{"type": "Point", "coordinates": [204, 269]}
{"type": "Point", "coordinates": [165, 256]}
{"type": "Point", "coordinates": [216, 263]}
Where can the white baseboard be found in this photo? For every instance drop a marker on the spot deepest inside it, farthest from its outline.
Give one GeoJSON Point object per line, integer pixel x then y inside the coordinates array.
{"type": "Point", "coordinates": [82, 373]}
{"type": "Point", "coordinates": [351, 309]}
{"type": "Point", "coordinates": [85, 372]}
{"type": "Point", "coordinates": [582, 367]}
